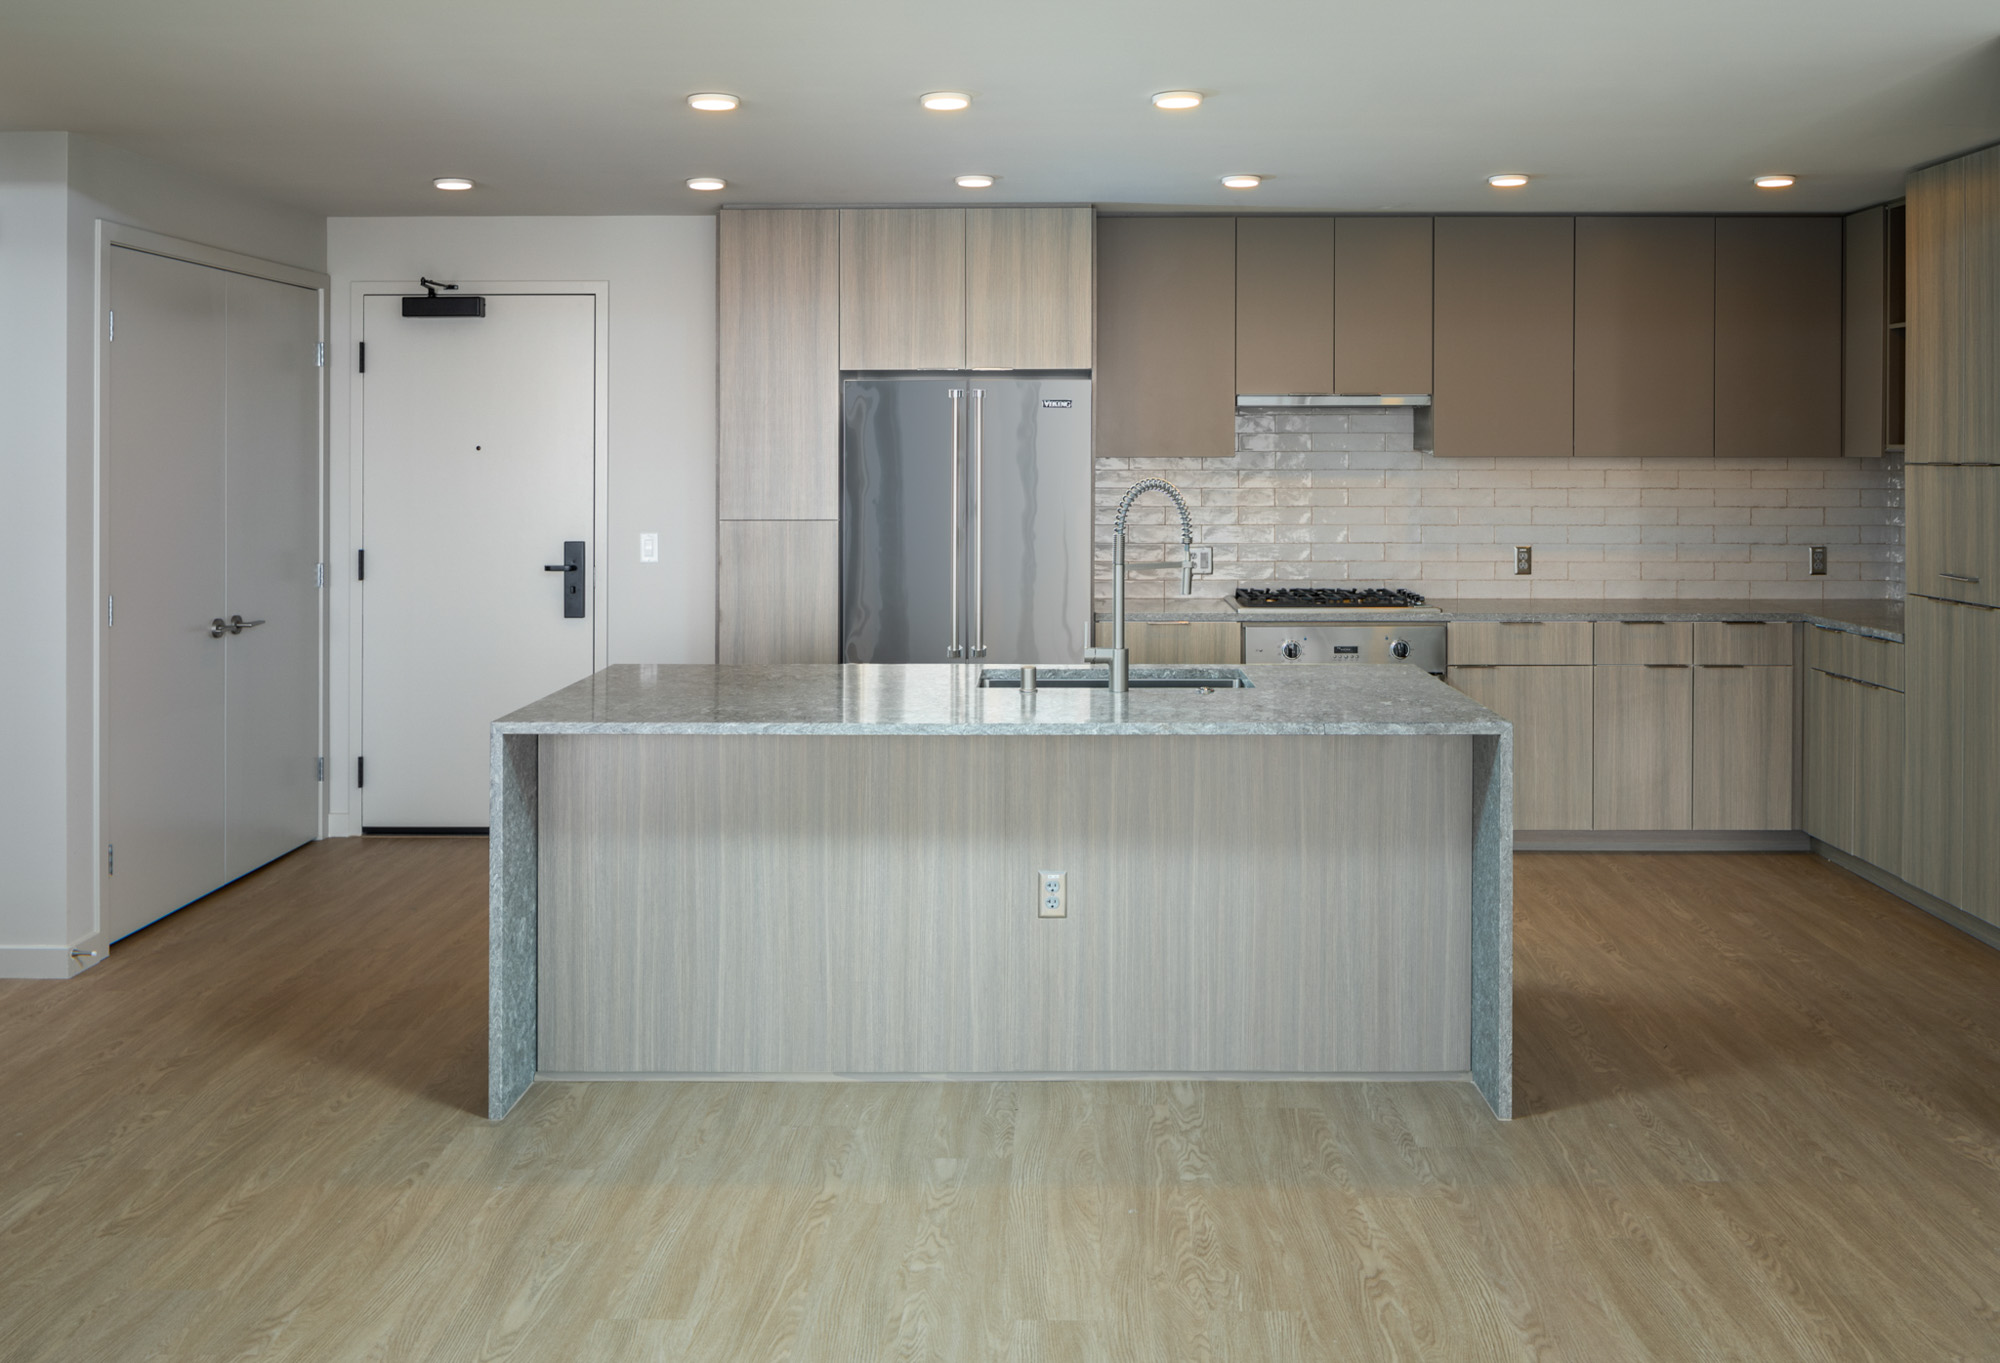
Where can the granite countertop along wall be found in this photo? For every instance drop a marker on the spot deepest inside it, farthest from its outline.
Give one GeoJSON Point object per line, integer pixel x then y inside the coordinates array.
{"type": "Point", "coordinates": [945, 699]}
{"type": "Point", "coordinates": [1879, 619]}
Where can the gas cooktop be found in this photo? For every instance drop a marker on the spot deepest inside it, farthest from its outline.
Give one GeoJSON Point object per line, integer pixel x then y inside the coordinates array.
{"type": "Point", "coordinates": [1324, 598]}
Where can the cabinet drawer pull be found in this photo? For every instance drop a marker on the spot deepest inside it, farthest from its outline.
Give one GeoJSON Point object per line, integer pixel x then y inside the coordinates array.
{"type": "Point", "coordinates": [1754, 624]}
{"type": "Point", "coordinates": [1959, 577]}
{"type": "Point", "coordinates": [1842, 676]}
{"type": "Point", "coordinates": [1714, 667]}
{"type": "Point", "coordinates": [1521, 622]}
{"type": "Point", "coordinates": [1673, 665]}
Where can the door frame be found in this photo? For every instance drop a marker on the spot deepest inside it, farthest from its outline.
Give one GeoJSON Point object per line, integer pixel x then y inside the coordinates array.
{"type": "Point", "coordinates": [117, 235]}
{"type": "Point", "coordinates": [598, 578]}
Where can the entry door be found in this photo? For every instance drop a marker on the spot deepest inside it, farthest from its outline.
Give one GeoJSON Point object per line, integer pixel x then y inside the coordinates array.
{"type": "Point", "coordinates": [478, 455]}
{"type": "Point", "coordinates": [211, 487]}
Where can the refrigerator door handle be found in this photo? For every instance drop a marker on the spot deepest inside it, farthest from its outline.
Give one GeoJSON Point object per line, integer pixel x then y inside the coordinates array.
{"type": "Point", "coordinates": [957, 647]}
{"type": "Point", "coordinates": [978, 528]}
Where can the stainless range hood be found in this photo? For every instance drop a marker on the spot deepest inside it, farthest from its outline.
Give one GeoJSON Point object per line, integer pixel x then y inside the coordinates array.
{"type": "Point", "coordinates": [1333, 399]}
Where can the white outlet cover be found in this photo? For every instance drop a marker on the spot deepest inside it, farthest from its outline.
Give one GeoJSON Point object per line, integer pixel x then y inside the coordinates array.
{"type": "Point", "coordinates": [649, 548]}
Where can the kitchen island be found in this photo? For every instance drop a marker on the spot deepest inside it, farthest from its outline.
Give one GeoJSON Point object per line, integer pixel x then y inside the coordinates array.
{"type": "Point", "coordinates": [819, 871]}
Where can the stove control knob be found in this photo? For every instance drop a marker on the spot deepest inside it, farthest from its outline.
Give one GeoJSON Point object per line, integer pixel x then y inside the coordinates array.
{"type": "Point", "coordinates": [1400, 649]}
{"type": "Point", "coordinates": [1290, 648]}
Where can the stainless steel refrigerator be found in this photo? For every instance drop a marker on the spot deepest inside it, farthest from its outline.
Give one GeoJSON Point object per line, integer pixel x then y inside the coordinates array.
{"type": "Point", "coordinates": [965, 519]}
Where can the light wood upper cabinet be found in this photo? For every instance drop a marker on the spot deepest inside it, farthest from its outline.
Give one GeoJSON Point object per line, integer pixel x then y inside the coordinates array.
{"type": "Point", "coordinates": [778, 363]}
{"type": "Point", "coordinates": [1778, 337]}
{"type": "Point", "coordinates": [1027, 288]}
{"type": "Point", "coordinates": [1505, 336]}
{"type": "Point", "coordinates": [1742, 747]}
{"type": "Point", "coordinates": [1166, 337]}
{"type": "Point", "coordinates": [1645, 336]}
{"type": "Point", "coordinates": [902, 288]}
{"type": "Point", "coordinates": [1953, 394]}
{"type": "Point", "coordinates": [1382, 305]}
{"type": "Point", "coordinates": [1284, 305]}
{"type": "Point", "coordinates": [1952, 515]}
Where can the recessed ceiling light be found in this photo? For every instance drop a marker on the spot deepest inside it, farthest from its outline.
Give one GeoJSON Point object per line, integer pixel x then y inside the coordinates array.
{"type": "Point", "coordinates": [1242, 181]}
{"type": "Point", "coordinates": [1775, 181]}
{"type": "Point", "coordinates": [1507, 180]}
{"type": "Point", "coordinates": [946, 100]}
{"type": "Point", "coordinates": [1177, 99]}
{"type": "Point", "coordinates": [708, 182]}
{"type": "Point", "coordinates": [713, 102]}
{"type": "Point", "coordinates": [974, 182]}
{"type": "Point", "coordinates": [452, 182]}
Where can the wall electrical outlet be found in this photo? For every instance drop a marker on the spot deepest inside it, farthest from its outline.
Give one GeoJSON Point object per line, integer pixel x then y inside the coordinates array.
{"type": "Point", "coordinates": [1818, 561]}
{"type": "Point", "coordinates": [649, 548]}
{"type": "Point", "coordinates": [1524, 559]}
{"type": "Point", "coordinates": [1052, 899]}
{"type": "Point", "coordinates": [1204, 558]}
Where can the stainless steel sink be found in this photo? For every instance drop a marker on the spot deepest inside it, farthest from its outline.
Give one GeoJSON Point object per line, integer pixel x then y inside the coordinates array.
{"type": "Point", "coordinates": [1143, 678]}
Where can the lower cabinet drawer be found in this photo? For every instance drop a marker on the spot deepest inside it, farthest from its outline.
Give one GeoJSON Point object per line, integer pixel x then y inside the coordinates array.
{"type": "Point", "coordinates": [1549, 708]}
{"type": "Point", "coordinates": [1640, 642]}
{"type": "Point", "coordinates": [1858, 656]}
{"type": "Point", "coordinates": [1520, 643]}
{"type": "Point", "coordinates": [1743, 643]}
{"type": "Point", "coordinates": [1178, 641]}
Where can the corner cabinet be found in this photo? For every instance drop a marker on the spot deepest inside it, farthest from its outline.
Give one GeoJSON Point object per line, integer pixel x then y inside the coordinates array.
{"type": "Point", "coordinates": [1166, 337]}
{"type": "Point", "coordinates": [1854, 745]}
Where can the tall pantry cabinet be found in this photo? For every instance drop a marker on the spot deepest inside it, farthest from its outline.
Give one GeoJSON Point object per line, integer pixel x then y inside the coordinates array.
{"type": "Point", "coordinates": [1951, 828]}
{"type": "Point", "coordinates": [805, 293]}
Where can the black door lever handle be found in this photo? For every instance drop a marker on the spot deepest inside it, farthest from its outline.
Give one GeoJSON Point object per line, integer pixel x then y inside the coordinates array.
{"type": "Point", "coordinates": [555, 567]}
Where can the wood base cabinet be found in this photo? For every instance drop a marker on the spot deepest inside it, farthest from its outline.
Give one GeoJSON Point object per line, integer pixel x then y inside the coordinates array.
{"type": "Point", "coordinates": [1642, 746]}
{"type": "Point", "coordinates": [1742, 747]}
{"type": "Point", "coordinates": [1854, 767]}
{"type": "Point", "coordinates": [1951, 818]}
{"type": "Point", "coordinates": [1550, 709]}
{"type": "Point", "coordinates": [1178, 641]}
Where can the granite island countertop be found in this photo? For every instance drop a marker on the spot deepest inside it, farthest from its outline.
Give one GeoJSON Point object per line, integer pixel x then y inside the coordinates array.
{"type": "Point", "coordinates": [945, 699]}
{"type": "Point", "coordinates": [1879, 618]}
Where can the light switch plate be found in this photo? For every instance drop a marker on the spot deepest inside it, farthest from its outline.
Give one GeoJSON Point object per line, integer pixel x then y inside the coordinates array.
{"type": "Point", "coordinates": [1052, 898]}
{"type": "Point", "coordinates": [1524, 559]}
{"type": "Point", "coordinates": [649, 548]}
{"type": "Point", "coordinates": [1204, 558]}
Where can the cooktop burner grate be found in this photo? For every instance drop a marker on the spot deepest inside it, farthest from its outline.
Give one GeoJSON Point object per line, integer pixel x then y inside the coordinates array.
{"type": "Point", "coordinates": [1323, 598]}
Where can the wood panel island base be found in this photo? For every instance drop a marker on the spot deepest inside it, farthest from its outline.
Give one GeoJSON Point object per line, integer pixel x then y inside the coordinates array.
{"type": "Point", "coordinates": [808, 871]}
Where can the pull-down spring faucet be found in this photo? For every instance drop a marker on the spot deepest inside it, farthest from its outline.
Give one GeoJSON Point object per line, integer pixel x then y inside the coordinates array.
{"type": "Point", "coordinates": [1118, 657]}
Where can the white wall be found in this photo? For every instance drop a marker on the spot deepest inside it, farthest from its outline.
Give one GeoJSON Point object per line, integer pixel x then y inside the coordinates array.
{"type": "Point", "coordinates": [54, 187]}
{"type": "Point", "coordinates": [661, 422]}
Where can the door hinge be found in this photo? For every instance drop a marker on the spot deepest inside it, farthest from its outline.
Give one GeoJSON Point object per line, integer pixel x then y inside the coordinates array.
{"type": "Point", "coordinates": [361, 348]}
{"type": "Point", "coordinates": [319, 769]}
{"type": "Point", "coordinates": [319, 354]}
{"type": "Point", "coordinates": [319, 574]}
{"type": "Point", "coordinates": [110, 325]}
{"type": "Point", "coordinates": [110, 610]}
{"type": "Point", "coordinates": [360, 772]}
{"type": "Point", "coordinates": [110, 859]}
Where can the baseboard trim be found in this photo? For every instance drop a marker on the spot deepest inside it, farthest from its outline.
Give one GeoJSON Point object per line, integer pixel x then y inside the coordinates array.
{"type": "Point", "coordinates": [1010, 1077]}
{"type": "Point", "coordinates": [1977, 928]}
{"type": "Point", "coordinates": [52, 963]}
{"type": "Point", "coordinates": [1660, 840]}
{"type": "Point", "coordinates": [425, 831]}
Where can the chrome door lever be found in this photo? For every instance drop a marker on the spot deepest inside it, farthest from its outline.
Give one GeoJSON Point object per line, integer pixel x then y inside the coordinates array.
{"type": "Point", "coordinates": [237, 624]}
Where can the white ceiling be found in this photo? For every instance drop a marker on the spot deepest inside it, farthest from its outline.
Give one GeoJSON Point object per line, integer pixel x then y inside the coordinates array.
{"type": "Point", "coordinates": [575, 106]}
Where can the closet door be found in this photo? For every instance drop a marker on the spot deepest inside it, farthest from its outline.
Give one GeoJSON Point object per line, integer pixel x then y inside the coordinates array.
{"type": "Point", "coordinates": [163, 489]}
{"type": "Point", "coordinates": [271, 513]}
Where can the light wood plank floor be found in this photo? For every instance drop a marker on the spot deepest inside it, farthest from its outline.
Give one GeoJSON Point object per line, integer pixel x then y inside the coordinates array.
{"type": "Point", "coordinates": [1762, 1122]}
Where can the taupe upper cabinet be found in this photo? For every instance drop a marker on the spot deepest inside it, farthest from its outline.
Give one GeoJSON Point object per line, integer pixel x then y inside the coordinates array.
{"type": "Point", "coordinates": [1872, 397]}
{"type": "Point", "coordinates": [1954, 311]}
{"type": "Point", "coordinates": [1645, 336]}
{"type": "Point", "coordinates": [778, 363]}
{"type": "Point", "coordinates": [1027, 288]}
{"type": "Point", "coordinates": [1284, 305]}
{"type": "Point", "coordinates": [902, 288]}
{"type": "Point", "coordinates": [1382, 305]}
{"type": "Point", "coordinates": [1777, 337]}
{"type": "Point", "coordinates": [1505, 343]}
{"type": "Point", "coordinates": [1166, 337]}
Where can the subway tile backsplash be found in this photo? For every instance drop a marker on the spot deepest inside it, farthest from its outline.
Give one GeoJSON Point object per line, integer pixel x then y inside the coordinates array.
{"type": "Point", "coordinates": [1337, 495]}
